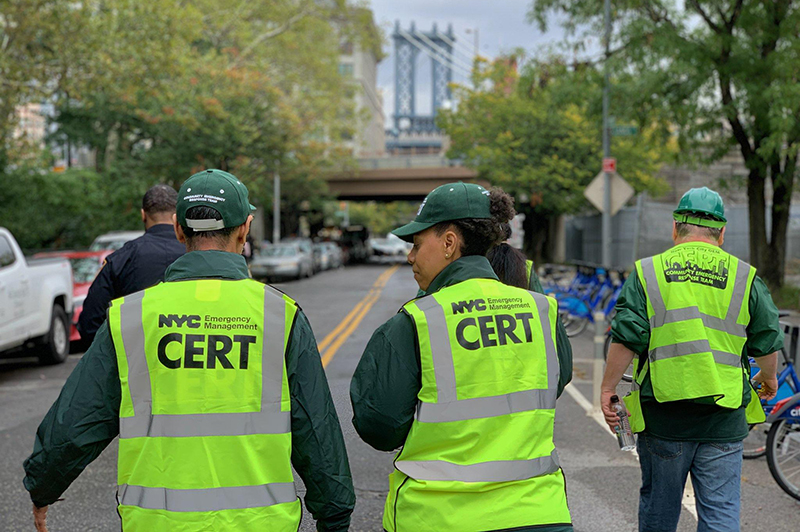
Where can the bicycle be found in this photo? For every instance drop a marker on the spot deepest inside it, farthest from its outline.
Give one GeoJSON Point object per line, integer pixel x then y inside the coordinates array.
{"type": "Point", "coordinates": [783, 445]}
{"type": "Point", "coordinates": [755, 444]}
{"type": "Point", "coordinates": [591, 288]}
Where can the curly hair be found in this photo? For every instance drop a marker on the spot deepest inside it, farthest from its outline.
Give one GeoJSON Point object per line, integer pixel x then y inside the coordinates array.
{"type": "Point", "coordinates": [479, 235]}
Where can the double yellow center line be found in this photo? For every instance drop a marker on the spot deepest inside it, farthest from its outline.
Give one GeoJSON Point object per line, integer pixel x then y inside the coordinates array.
{"type": "Point", "coordinates": [331, 343]}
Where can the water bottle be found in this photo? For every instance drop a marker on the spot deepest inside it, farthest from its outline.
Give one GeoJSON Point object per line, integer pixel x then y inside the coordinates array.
{"type": "Point", "coordinates": [627, 442]}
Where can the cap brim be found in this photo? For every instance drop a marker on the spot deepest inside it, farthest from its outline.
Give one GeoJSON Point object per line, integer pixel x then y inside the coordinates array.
{"type": "Point", "coordinates": [252, 207]}
{"type": "Point", "coordinates": [408, 231]}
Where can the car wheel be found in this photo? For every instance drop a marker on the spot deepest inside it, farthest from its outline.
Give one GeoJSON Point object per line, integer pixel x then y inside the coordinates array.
{"type": "Point", "coordinates": [54, 346]}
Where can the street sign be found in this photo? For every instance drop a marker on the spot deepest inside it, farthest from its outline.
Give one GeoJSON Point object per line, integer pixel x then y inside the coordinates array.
{"type": "Point", "coordinates": [621, 192]}
{"type": "Point", "coordinates": [624, 131]}
{"type": "Point", "coordinates": [609, 164]}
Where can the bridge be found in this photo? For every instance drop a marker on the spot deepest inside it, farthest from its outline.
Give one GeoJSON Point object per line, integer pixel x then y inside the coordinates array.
{"type": "Point", "coordinates": [398, 178]}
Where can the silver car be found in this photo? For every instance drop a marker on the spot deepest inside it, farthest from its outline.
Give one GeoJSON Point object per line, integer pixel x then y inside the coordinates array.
{"type": "Point", "coordinates": [281, 262]}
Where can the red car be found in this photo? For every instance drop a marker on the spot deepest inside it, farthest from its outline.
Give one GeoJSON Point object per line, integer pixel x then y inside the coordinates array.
{"type": "Point", "coordinates": [85, 265]}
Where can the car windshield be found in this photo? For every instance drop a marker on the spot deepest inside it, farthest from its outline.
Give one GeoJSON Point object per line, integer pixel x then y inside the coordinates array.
{"type": "Point", "coordinates": [102, 245]}
{"type": "Point", "coordinates": [279, 251]}
{"type": "Point", "coordinates": [84, 269]}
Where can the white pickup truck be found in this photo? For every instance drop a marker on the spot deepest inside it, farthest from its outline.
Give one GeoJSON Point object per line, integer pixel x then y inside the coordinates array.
{"type": "Point", "coordinates": [35, 302]}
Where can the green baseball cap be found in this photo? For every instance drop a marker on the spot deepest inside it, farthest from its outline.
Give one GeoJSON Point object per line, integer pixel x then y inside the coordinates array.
{"type": "Point", "coordinates": [454, 201]}
{"type": "Point", "coordinates": [218, 190]}
{"type": "Point", "coordinates": [701, 201]}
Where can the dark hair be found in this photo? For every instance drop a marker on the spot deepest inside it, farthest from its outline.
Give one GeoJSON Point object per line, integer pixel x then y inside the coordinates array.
{"type": "Point", "coordinates": [510, 265]}
{"type": "Point", "coordinates": [160, 199]}
{"type": "Point", "coordinates": [203, 212]}
{"type": "Point", "coordinates": [480, 234]}
{"type": "Point", "coordinates": [687, 229]}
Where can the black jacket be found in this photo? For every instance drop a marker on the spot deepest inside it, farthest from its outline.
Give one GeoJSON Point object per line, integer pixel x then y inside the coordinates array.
{"type": "Point", "coordinates": [137, 265]}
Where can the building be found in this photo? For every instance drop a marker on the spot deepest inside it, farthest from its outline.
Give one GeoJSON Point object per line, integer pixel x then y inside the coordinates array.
{"type": "Point", "coordinates": [359, 63]}
{"type": "Point", "coordinates": [31, 124]}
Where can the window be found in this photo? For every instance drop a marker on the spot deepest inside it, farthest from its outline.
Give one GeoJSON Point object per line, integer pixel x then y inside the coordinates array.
{"type": "Point", "coordinates": [346, 48]}
{"type": "Point", "coordinates": [346, 69]}
{"type": "Point", "coordinates": [6, 253]}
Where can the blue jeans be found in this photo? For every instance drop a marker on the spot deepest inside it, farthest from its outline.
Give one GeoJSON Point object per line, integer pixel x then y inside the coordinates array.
{"type": "Point", "coordinates": [716, 470]}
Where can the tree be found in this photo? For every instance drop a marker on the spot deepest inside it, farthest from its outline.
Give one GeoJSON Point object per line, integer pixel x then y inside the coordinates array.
{"type": "Point", "coordinates": [725, 74]}
{"type": "Point", "coordinates": [535, 133]}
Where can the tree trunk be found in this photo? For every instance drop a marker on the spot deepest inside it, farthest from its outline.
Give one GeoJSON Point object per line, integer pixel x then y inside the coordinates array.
{"type": "Point", "coordinates": [757, 212]}
{"type": "Point", "coordinates": [774, 266]}
{"type": "Point", "coordinates": [538, 245]}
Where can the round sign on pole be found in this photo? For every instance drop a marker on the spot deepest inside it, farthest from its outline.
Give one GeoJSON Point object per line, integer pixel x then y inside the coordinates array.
{"type": "Point", "coordinates": [609, 164]}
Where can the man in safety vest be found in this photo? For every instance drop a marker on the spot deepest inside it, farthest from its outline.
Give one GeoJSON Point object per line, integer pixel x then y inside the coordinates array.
{"type": "Point", "coordinates": [693, 315]}
{"type": "Point", "coordinates": [213, 383]}
{"type": "Point", "coordinates": [466, 379]}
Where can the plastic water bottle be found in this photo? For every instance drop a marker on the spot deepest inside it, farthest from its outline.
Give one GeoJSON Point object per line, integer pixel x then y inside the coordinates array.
{"type": "Point", "coordinates": [627, 442]}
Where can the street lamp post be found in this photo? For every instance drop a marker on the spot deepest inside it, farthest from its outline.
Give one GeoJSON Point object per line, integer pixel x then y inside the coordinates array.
{"type": "Point", "coordinates": [276, 207]}
{"type": "Point", "coordinates": [606, 144]}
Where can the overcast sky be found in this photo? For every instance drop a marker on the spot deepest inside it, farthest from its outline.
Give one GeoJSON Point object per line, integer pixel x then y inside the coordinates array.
{"type": "Point", "coordinates": [501, 27]}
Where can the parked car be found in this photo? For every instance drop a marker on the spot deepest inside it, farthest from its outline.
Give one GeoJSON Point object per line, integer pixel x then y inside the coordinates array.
{"type": "Point", "coordinates": [306, 247]}
{"type": "Point", "coordinates": [114, 240]}
{"type": "Point", "coordinates": [85, 265]}
{"type": "Point", "coordinates": [322, 257]}
{"type": "Point", "coordinates": [391, 246]}
{"type": "Point", "coordinates": [355, 243]}
{"type": "Point", "coordinates": [35, 302]}
{"type": "Point", "coordinates": [336, 256]}
{"type": "Point", "coordinates": [280, 262]}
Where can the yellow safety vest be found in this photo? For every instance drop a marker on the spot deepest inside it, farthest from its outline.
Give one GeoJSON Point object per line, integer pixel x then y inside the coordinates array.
{"type": "Point", "coordinates": [480, 453]}
{"type": "Point", "coordinates": [697, 305]}
{"type": "Point", "coordinates": [205, 439]}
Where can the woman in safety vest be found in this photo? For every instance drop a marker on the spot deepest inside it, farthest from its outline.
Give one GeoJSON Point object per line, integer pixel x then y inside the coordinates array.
{"type": "Point", "coordinates": [465, 378]}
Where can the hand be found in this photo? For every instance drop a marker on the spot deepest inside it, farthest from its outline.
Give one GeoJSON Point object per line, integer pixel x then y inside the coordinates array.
{"type": "Point", "coordinates": [612, 419]}
{"type": "Point", "coordinates": [769, 386]}
{"type": "Point", "coordinates": [40, 518]}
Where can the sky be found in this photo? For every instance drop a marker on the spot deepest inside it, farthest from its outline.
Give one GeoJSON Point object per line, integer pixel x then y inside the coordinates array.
{"type": "Point", "coordinates": [501, 27]}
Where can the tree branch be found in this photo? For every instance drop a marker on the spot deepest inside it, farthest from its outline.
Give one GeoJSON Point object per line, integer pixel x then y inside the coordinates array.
{"type": "Point", "coordinates": [704, 15]}
{"type": "Point", "coordinates": [732, 115]}
{"type": "Point", "coordinates": [283, 28]}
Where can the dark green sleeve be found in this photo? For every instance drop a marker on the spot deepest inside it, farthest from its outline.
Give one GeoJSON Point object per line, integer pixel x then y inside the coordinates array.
{"type": "Point", "coordinates": [764, 333]}
{"type": "Point", "coordinates": [630, 326]}
{"type": "Point", "coordinates": [318, 452]}
{"type": "Point", "coordinates": [385, 385]}
{"type": "Point", "coordinates": [80, 424]}
{"type": "Point", "coordinates": [563, 347]}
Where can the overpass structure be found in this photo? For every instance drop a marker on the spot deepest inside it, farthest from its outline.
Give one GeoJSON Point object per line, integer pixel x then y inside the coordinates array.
{"type": "Point", "coordinates": [398, 178]}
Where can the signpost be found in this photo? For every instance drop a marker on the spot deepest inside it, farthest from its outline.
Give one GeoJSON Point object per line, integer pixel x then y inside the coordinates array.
{"type": "Point", "coordinates": [621, 192]}
{"type": "Point", "coordinates": [624, 131]}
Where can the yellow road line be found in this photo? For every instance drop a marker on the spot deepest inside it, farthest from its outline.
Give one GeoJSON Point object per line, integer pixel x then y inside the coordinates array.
{"type": "Point", "coordinates": [346, 327]}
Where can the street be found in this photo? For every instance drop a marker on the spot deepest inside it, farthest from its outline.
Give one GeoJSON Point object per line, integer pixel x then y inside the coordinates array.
{"type": "Point", "coordinates": [344, 306]}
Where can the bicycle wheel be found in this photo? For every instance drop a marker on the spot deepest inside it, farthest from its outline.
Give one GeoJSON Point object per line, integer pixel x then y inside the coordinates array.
{"type": "Point", "coordinates": [783, 456]}
{"type": "Point", "coordinates": [628, 375]}
{"type": "Point", "coordinates": [755, 444]}
{"type": "Point", "coordinates": [573, 325]}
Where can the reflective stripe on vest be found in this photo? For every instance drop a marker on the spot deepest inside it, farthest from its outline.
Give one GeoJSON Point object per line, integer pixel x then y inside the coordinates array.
{"type": "Point", "coordinates": [144, 423]}
{"type": "Point", "coordinates": [207, 500]}
{"type": "Point", "coordinates": [448, 407]}
{"type": "Point", "coordinates": [496, 471]}
{"type": "Point", "coordinates": [662, 316]}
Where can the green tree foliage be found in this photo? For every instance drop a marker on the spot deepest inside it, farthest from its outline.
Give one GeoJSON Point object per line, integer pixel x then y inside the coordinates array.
{"type": "Point", "coordinates": [381, 218]}
{"type": "Point", "coordinates": [535, 131]}
{"type": "Point", "coordinates": [725, 74]}
{"type": "Point", "coordinates": [159, 90]}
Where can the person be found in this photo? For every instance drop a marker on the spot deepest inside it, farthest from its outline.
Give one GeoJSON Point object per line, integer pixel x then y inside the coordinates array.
{"type": "Point", "coordinates": [512, 267]}
{"type": "Point", "coordinates": [693, 315]}
{"type": "Point", "coordinates": [213, 383]}
{"type": "Point", "coordinates": [137, 265]}
{"type": "Point", "coordinates": [465, 379]}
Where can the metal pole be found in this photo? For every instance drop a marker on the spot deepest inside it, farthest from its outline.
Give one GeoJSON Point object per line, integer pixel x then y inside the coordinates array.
{"type": "Point", "coordinates": [606, 145]}
{"type": "Point", "coordinates": [599, 358]}
{"type": "Point", "coordinates": [276, 207]}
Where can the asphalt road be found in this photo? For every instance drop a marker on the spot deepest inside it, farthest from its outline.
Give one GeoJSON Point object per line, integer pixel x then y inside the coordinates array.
{"type": "Point", "coordinates": [602, 482]}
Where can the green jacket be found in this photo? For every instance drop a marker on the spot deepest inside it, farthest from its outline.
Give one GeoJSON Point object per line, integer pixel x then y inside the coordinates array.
{"type": "Point", "coordinates": [687, 420]}
{"type": "Point", "coordinates": [85, 417]}
{"type": "Point", "coordinates": [388, 378]}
